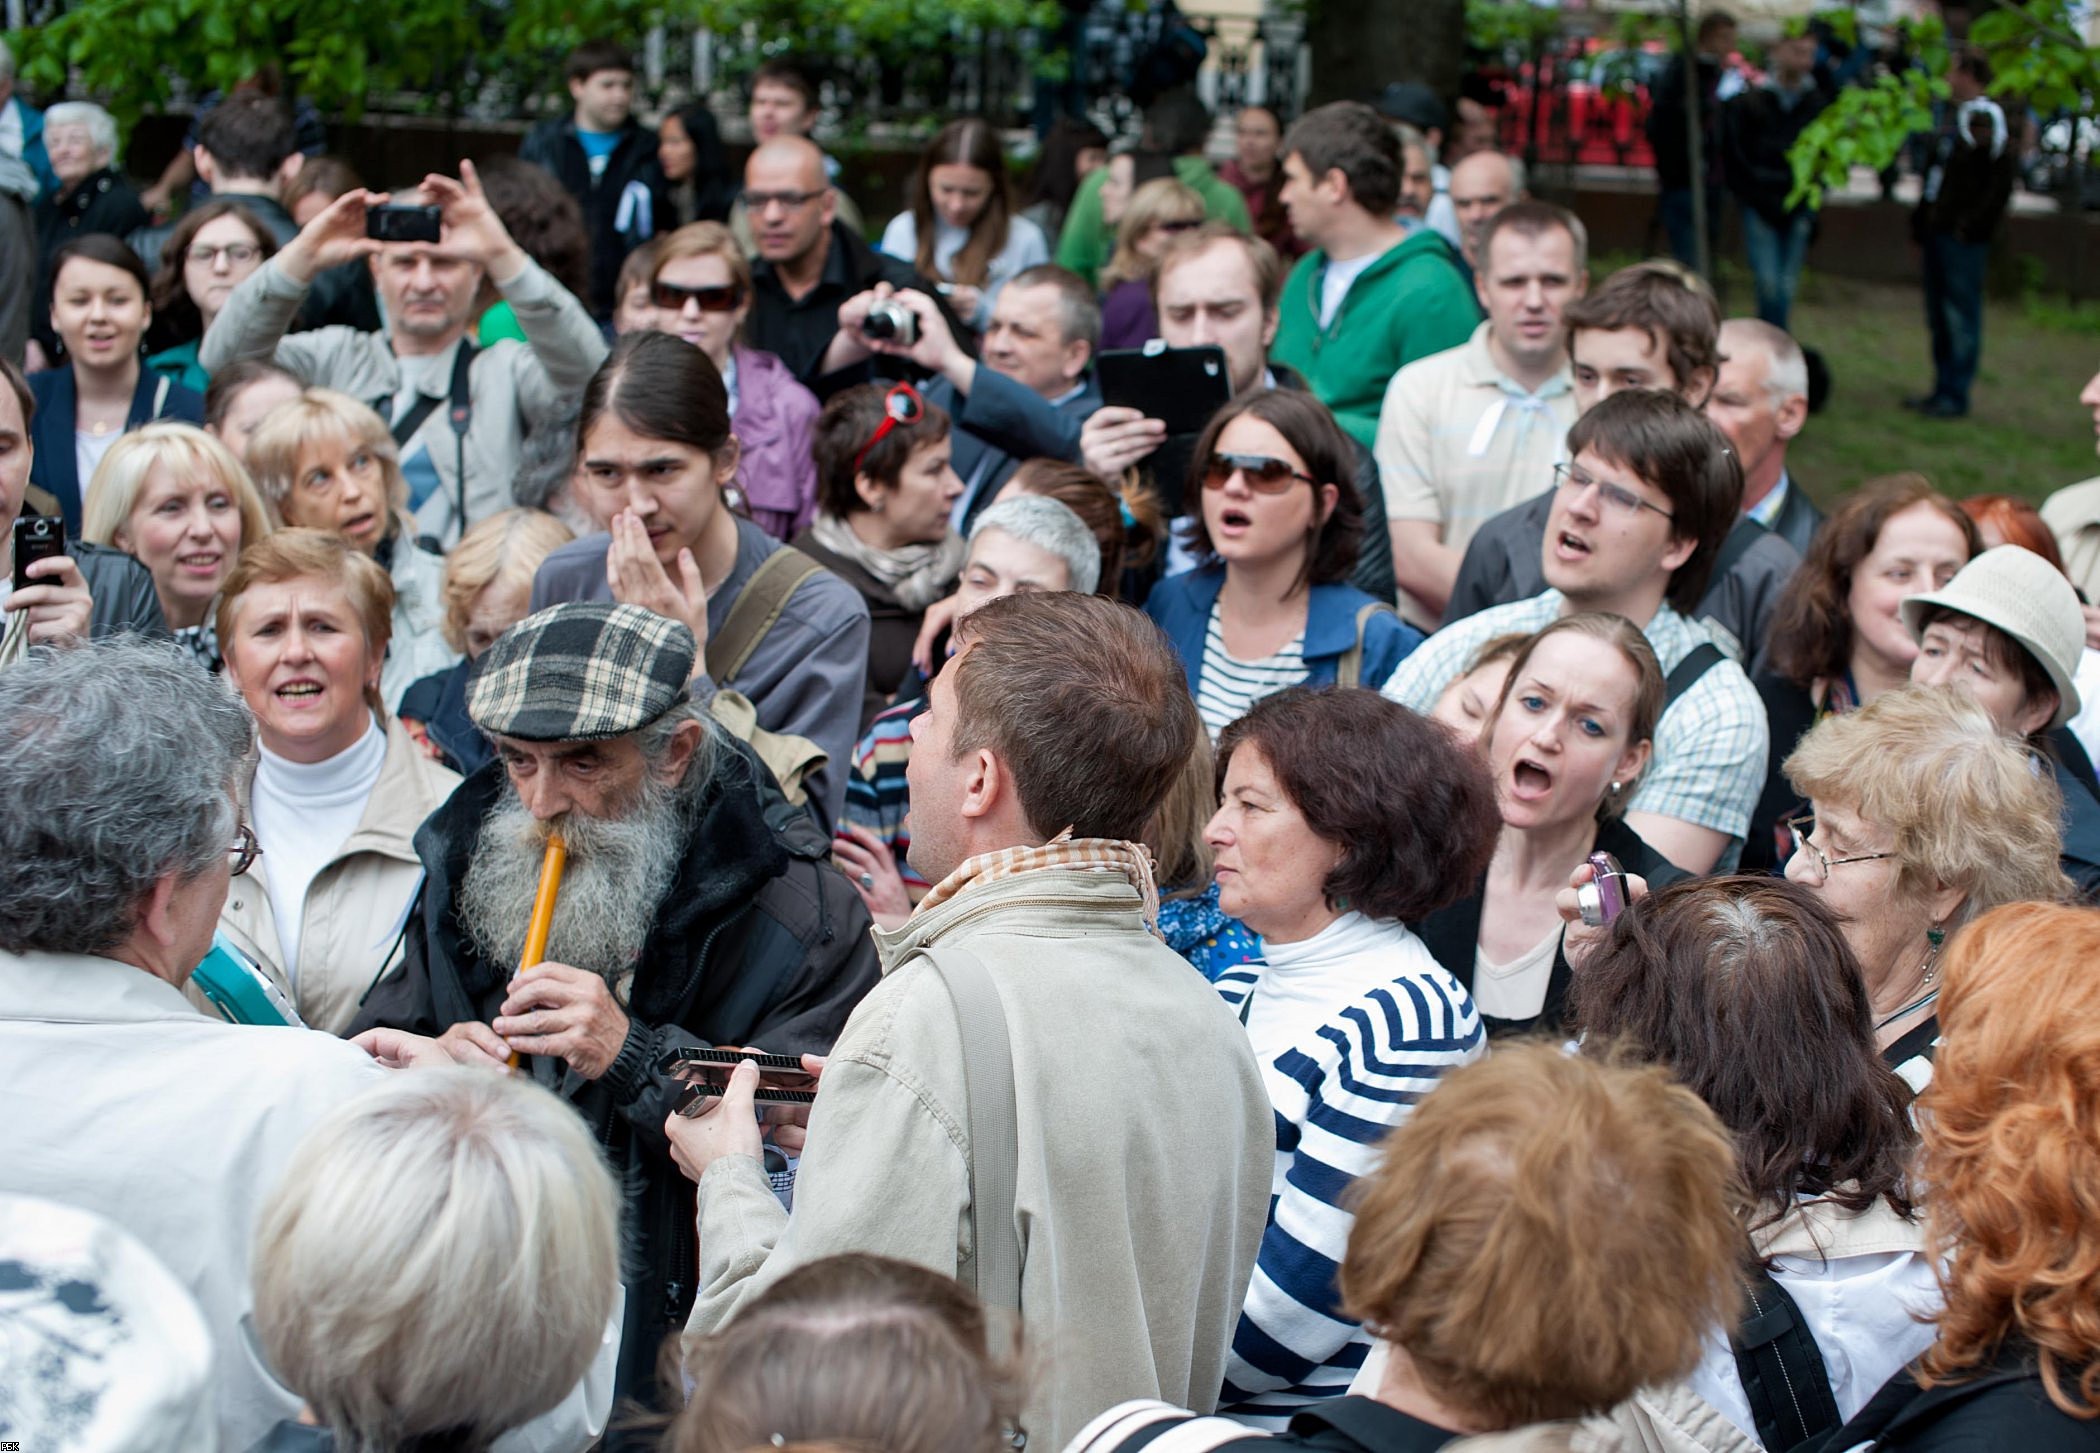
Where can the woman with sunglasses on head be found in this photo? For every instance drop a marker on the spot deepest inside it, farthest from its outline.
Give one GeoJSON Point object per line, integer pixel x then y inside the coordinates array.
{"type": "Point", "coordinates": [961, 229]}
{"type": "Point", "coordinates": [701, 290]}
{"type": "Point", "coordinates": [1923, 814]}
{"type": "Point", "coordinates": [886, 488]}
{"type": "Point", "coordinates": [1271, 606]}
{"type": "Point", "coordinates": [1159, 211]}
{"type": "Point", "coordinates": [655, 456]}
{"type": "Point", "coordinates": [208, 254]}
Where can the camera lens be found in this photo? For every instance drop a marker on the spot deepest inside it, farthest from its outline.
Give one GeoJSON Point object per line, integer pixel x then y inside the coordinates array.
{"type": "Point", "coordinates": [879, 325]}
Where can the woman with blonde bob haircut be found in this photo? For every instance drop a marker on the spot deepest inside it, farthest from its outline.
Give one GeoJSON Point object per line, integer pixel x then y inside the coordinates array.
{"type": "Point", "coordinates": [176, 499]}
{"type": "Point", "coordinates": [1545, 1235]}
{"type": "Point", "coordinates": [1159, 211]}
{"type": "Point", "coordinates": [440, 1263]}
{"type": "Point", "coordinates": [2011, 1136]}
{"type": "Point", "coordinates": [1922, 815]}
{"type": "Point", "coordinates": [324, 461]}
{"type": "Point", "coordinates": [339, 789]}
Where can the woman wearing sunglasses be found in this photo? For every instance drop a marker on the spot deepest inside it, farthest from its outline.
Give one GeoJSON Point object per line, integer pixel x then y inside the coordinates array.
{"type": "Point", "coordinates": [1272, 607]}
{"type": "Point", "coordinates": [1159, 210]}
{"type": "Point", "coordinates": [882, 522]}
{"type": "Point", "coordinates": [701, 291]}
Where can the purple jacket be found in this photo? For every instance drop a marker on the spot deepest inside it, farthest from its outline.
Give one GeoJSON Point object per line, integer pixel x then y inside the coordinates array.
{"type": "Point", "coordinates": [1127, 319]}
{"type": "Point", "coordinates": [776, 420]}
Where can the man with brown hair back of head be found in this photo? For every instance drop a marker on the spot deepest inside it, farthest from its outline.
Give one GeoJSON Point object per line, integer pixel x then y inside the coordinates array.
{"type": "Point", "coordinates": [1050, 738]}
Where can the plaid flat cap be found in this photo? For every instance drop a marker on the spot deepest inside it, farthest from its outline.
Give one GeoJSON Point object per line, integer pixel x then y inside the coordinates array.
{"type": "Point", "coordinates": [582, 671]}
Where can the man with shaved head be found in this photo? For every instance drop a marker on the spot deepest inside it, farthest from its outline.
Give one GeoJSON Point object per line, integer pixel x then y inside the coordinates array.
{"type": "Point", "coordinates": [808, 263]}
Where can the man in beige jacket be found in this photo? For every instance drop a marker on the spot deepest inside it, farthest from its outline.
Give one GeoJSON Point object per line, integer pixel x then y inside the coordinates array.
{"type": "Point", "coordinates": [1144, 1135]}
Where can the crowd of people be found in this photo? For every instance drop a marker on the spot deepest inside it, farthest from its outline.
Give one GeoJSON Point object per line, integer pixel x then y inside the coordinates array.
{"type": "Point", "coordinates": [635, 822]}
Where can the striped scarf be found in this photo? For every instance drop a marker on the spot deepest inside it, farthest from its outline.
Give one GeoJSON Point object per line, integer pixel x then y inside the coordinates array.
{"type": "Point", "coordinates": [1091, 854]}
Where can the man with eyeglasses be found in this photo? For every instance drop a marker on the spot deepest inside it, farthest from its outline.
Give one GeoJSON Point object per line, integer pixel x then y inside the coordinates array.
{"type": "Point", "coordinates": [1637, 517]}
{"type": "Point", "coordinates": [459, 413]}
{"type": "Point", "coordinates": [809, 263]}
{"type": "Point", "coordinates": [1654, 325]}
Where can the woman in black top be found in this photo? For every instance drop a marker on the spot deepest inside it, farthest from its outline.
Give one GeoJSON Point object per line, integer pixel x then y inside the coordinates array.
{"type": "Point", "coordinates": [1565, 744]}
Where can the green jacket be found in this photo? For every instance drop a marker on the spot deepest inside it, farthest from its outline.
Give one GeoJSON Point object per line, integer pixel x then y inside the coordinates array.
{"type": "Point", "coordinates": [1412, 302]}
{"type": "Point", "coordinates": [1087, 242]}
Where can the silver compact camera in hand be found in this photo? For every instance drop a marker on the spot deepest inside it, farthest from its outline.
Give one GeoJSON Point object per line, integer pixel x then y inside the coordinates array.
{"type": "Point", "coordinates": [892, 322]}
{"type": "Point", "coordinates": [1603, 898]}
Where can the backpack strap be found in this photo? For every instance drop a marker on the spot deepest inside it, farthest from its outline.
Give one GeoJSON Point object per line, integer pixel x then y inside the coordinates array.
{"type": "Point", "coordinates": [1744, 533]}
{"type": "Point", "coordinates": [1782, 1368]}
{"type": "Point", "coordinates": [1349, 670]}
{"type": "Point", "coordinates": [994, 1124]}
{"type": "Point", "coordinates": [1701, 659]}
{"type": "Point", "coordinates": [758, 605]}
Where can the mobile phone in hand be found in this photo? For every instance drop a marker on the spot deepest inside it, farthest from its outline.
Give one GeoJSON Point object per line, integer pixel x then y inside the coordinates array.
{"type": "Point", "coordinates": [37, 537]}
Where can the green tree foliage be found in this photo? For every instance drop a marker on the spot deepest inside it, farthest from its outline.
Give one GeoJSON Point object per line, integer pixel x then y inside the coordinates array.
{"type": "Point", "coordinates": [2035, 53]}
{"type": "Point", "coordinates": [341, 54]}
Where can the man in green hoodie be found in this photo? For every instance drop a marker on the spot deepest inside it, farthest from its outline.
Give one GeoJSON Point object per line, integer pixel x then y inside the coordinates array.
{"type": "Point", "coordinates": [1176, 124]}
{"type": "Point", "coordinates": [1369, 298]}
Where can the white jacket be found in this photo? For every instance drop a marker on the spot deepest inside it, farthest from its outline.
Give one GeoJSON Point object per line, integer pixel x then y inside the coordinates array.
{"type": "Point", "coordinates": [120, 1098]}
{"type": "Point", "coordinates": [358, 904]}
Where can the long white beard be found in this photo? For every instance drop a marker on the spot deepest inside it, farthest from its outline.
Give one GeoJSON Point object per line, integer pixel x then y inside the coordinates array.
{"type": "Point", "coordinates": [618, 872]}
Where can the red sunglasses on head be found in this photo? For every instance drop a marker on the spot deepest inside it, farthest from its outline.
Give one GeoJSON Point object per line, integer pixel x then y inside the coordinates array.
{"type": "Point", "coordinates": [901, 405]}
{"type": "Point", "coordinates": [721, 298]}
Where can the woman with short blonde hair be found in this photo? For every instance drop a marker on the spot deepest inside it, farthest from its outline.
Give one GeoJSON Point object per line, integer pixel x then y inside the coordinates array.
{"type": "Point", "coordinates": [442, 1257]}
{"type": "Point", "coordinates": [488, 589]}
{"type": "Point", "coordinates": [339, 789]}
{"type": "Point", "coordinates": [1922, 815]}
{"type": "Point", "coordinates": [325, 461]}
{"type": "Point", "coordinates": [176, 499]}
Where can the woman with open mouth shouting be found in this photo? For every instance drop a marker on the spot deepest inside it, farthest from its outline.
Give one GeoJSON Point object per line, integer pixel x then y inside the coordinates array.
{"type": "Point", "coordinates": [1565, 745]}
{"type": "Point", "coordinates": [176, 499]}
{"type": "Point", "coordinates": [1271, 607]}
{"type": "Point", "coordinates": [324, 461]}
{"type": "Point", "coordinates": [339, 789]}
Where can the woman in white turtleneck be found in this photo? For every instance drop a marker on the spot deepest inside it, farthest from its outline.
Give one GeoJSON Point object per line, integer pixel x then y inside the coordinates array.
{"type": "Point", "coordinates": [339, 789]}
{"type": "Point", "coordinates": [1345, 817]}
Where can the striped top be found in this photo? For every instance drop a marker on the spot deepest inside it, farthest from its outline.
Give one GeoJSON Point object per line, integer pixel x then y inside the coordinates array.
{"type": "Point", "coordinates": [1343, 1068]}
{"type": "Point", "coordinates": [1343, 1425]}
{"type": "Point", "coordinates": [1228, 685]}
{"type": "Point", "coordinates": [877, 796]}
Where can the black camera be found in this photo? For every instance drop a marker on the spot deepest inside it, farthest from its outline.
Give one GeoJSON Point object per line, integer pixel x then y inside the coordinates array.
{"type": "Point", "coordinates": [890, 320]}
{"type": "Point", "coordinates": [403, 224]}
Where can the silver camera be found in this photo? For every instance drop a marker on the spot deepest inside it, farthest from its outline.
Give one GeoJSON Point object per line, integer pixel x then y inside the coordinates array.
{"type": "Point", "coordinates": [892, 322]}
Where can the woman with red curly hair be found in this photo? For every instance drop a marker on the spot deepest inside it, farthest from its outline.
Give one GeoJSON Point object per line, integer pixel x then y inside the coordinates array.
{"type": "Point", "coordinates": [2011, 1130]}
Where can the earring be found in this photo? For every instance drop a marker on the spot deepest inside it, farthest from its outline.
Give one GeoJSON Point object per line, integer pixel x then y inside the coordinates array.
{"type": "Point", "coordinates": [877, 506]}
{"type": "Point", "coordinates": [1934, 936]}
{"type": "Point", "coordinates": [1615, 786]}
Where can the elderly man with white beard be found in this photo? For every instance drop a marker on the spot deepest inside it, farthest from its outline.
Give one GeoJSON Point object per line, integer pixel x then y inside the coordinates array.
{"type": "Point", "coordinates": [697, 908]}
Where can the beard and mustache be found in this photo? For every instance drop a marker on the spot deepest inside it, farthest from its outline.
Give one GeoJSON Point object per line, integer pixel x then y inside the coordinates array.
{"type": "Point", "coordinates": [619, 869]}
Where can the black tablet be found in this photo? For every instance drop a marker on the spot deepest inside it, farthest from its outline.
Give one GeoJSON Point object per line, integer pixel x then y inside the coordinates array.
{"type": "Point", "coordinates": [1181, 387]}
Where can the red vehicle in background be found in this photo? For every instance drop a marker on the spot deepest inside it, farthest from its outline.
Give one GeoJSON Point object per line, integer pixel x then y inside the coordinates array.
{"type": "Point", "coordinates": [1591, 109]}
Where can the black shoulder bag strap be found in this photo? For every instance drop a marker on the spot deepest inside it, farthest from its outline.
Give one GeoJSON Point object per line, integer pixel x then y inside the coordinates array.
{"type": "Point", "coordinates": [1782, 1368]}
{"type": "Point", "coordinates": [461, 403]}
{"type": "Point", "coordinates": [1701, 659]}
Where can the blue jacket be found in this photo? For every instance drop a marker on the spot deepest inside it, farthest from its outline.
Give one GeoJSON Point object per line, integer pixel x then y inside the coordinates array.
{"type": "Point", "coordinates": [1000, 425]}
{"type": "Point", "coordinates": [1181, 606]}
{"type": "Point", "coordinates": [55, 468]}
{"type": "Point", "coordinates": [33, 151]}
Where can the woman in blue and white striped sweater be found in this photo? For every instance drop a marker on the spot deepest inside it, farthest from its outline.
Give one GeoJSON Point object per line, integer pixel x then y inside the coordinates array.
{"type": "Point", "coordinates": [1344, 817]}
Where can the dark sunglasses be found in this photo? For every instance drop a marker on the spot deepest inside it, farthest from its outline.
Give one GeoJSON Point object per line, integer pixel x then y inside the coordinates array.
{"type": "Point", "coordinates": [1179, 226]}
{"type": "Point", "coordinates": [1264, 475]}
{"type": "Point", "coordinates": [726, 298]}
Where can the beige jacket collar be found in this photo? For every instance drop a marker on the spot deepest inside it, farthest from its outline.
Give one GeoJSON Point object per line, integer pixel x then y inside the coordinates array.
{"type": "Point", "coordinates": [1041, 899]}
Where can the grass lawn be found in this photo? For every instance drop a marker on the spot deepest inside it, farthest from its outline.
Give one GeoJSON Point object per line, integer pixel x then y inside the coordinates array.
{"type": "Point", "coordinates": [2026, 433]}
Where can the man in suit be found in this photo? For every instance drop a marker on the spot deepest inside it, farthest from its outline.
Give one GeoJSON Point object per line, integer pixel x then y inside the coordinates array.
{"type": "Point", "coordinates": [1760, 401]}
{"type": "Point", "coordinates": [1029, 394]}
